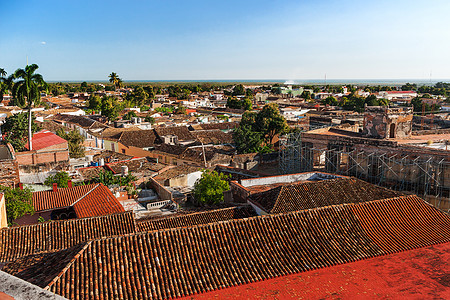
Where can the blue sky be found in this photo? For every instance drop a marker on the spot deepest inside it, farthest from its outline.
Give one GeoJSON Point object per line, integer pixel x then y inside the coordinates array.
{"type": "Point", "coordinates": [190, 40]}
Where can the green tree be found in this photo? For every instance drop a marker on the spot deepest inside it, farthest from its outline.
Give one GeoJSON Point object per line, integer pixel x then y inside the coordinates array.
{"type": "Point", "coordinates": [372, 100]}
{"type": "Point", "coordinates": [239, 90]}
{"type": "Point", "coordinates": [209, 188]}
{"type": "Point", "coordinates": [330, 101]}
{"type": "Point", "coordinates": [419, 105]}
{"type": "Point", "coordinates": [5, 83]}
{"type": "Point", "coordinates": [94, 102]}
{"type": "Point", "coordinates": [108, 178]}
{"type": "Point", "coordinates": [180, 109]}
{"type": "Point", "coordinates": [75, 141]}
{"type": "Point", "coordinates": [15, 130]}
{"type": "Point", "coordinates": [306, 95]}
{"type": "Point", "coordinates": [246, 139]}
{"type": "Point", "coordinates": [149, 119]}
{"type": "Point", "coordinates": [61, 178]}
{"type": "Point", "coordinates": [233, 102]}
{"type": "Point", "coordinates": [129, 115]}
{"type": "Point", "coordinates": [18, 203]}
{"type": "Point", "coordinates": [139, 96]}
{"type": "Point", "coordinates": [114, 79]}
{"type": "Point", "coordinates": [256, 131]}
{"type": "Point", "coordinates": [27, 92]}
{"type": "Point", "coordinates": [270, 122]}
{"type": "Point", "coordinates": [84, 86]}
{"type": "Point", "coordinates": [246, 104]}
{"type": "Point", "coordinates": [110, 108]}
{"type": "Point", "coordinates": [150, 92]}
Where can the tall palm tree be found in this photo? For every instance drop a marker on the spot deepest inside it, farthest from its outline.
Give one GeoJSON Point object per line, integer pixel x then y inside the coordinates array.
{"type": "Point", "coordinates": [114, 79]}
{"type": "Point", "coordinates": [27, 92]}
{"type": "Point", "coordinates": [3, 83]}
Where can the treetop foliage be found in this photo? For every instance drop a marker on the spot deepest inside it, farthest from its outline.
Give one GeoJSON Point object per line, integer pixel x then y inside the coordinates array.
{"type": "Point", "coordinates": [75, 141]}
{"type": "Point", "coordinates": [61, 178]}
{"type": "Point", "coordinates": [256, 131]}
{"type": "Point", "coordinates": [209, 188]}
{"type": "Point", "coordinates": [18, 203]}
{"type": "Point", "coordinates": [15, 130]}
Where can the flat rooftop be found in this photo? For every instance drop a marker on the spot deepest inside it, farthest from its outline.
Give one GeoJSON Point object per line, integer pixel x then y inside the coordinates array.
{"type": "Point", "coordinates": [415, 274]}
{"type": "Point", "coordinates": [262, 184]}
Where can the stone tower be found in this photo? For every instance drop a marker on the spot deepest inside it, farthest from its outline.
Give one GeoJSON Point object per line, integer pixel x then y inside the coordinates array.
{"type": "Point", "coordinates": [387, 122]}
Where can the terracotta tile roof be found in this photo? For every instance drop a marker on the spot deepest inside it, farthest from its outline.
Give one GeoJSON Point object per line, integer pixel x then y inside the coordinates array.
{"type": "Point", "coordinates": [184, 261]}
{"type": "Point", "coordinates": [97, 202]}
{"type": "Point", "coordinates": [81, 121]}
{"type": "Point", "coordinates": [51, 126]}
{"type": "Point", "coordinates": [90, 172]}
{"type": "Point", "coordinates": [20, 241]}
{"type": "Point", "coordinates": [307, 195]}
{"type": "Point", "coordinates": [177, 171]}
{"type": "Point", "coordinates": [214, 136]}
{"type": "Point", "coordinates": [113, 133]}
{"type": "Point", "coordinates": [182, 132]}
{"type": "Point", "coordinates": [44, 139]}
{"type": "Point", "coordinates": [137, 165]}
{"type": "Point", "coordinates": [111, 156]}
{"type": "Point", "coordinates": [170, 149]}
{"type": "Point", "coordinates": [196, 218]}
{"type": "Point", "coordinates": [411, 274]}
{"type": "Point", "coordinates": [220, 126]}
{"type": "Point", "coordinates": [140, 139]}
{"type": "Point", "coordinates": [87, 200]}
{"type": "Point", "coordinates": [218, 154]}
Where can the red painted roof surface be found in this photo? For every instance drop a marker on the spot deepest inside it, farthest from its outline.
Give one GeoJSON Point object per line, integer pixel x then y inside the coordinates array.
{"type": "Point", "coordinates": [87, 200]}
{"type": "Point", "coordinates": [44, 139]}
{"type": "Point", "coordinates": [188, 260]}
{"type": "Point", "coordinates": [401, 92]}
{"type": "Point", "coordinates": [99, 202]}
{"type": "Point", "coordinates": [422, 273]}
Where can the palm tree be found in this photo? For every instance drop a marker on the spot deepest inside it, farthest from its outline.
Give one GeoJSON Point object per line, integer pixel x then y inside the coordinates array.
{"type": "Point", "coordinates": [3, 83]}
{"type": "Point", "coordinates": [114, 79]}
{"type": "Point", "coordinates": [27, 92]}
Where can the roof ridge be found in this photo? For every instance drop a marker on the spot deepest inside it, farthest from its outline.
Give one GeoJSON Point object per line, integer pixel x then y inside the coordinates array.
{"type": "Point", "coordinates": [278, 196]}
{"type": "Point", "coordinates": [62, 221]}
{"type": "Point", "coordinates": [82, 197]}
{"type": "Point", "coordinates": [276, 215]}
{"type": "Point", "coordinates": [69, 264]}
{"type": "Point", "coordinates": [194, 213]}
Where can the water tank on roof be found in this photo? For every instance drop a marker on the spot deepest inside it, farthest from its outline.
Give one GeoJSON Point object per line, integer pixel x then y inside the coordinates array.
{"type": "Point", "coordinates": [101, 162]}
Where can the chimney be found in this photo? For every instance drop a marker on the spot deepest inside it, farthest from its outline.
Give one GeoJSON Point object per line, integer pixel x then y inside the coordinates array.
{"type": "Point", "coordinates": [69, 183]}
{"type": "Point", "coordinates": [55, 187]}
{"type": "Point", "coordinates": [21, 185]}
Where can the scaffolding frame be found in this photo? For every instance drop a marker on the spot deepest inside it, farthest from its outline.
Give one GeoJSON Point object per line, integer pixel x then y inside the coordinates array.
{"type": "Point", "coordinates": [425, 177]}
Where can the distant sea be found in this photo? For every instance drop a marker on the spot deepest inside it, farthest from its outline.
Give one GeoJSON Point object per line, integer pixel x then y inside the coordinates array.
{"type": "Point", "coordinates": [284, 81]}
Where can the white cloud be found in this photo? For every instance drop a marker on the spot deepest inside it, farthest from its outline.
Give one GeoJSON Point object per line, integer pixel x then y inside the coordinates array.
{"type": "Point", "coordinates": [43, 43]}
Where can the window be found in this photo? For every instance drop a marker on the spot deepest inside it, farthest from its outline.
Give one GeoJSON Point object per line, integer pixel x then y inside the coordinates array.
{"type": "Point", "coordinates": [392, 131]}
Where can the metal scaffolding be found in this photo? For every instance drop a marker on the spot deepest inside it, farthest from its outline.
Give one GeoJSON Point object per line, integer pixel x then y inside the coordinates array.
{"type": "Point", "coordinates": [425, 177]}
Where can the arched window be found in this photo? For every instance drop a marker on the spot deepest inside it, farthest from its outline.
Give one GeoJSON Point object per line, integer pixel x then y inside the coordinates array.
{"type": "Point", "coordinates": [392, 131]}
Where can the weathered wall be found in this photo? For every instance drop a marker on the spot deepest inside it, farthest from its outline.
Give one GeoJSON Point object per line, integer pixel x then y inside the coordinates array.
{"type": "Point", "coordinates": [3, 219]}
{"type": "Point", "coordinates": [42, 157]}
{"type": "Point", "coordinates": [9, 168]}
{"type": "Point", "coordinates": [162, 192]}
{"type": "Point", "coordinates": [385, 122]}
